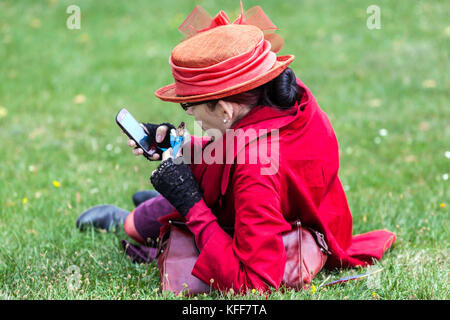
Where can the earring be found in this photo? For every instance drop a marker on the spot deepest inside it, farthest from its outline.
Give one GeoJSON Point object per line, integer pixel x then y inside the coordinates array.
{"type": "Point", "coordinates": [225, 120]}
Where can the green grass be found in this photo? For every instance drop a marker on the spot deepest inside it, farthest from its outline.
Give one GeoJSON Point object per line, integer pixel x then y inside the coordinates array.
{"type": "Point", "coordinates": [395, 78]}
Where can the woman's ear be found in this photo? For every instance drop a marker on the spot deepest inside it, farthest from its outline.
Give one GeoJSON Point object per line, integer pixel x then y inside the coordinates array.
{"type": "Point", "coordinates": [226, 110]}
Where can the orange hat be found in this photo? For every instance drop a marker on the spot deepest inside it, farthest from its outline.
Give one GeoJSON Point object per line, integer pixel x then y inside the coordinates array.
{"type": "Point", "coordinates": [220, 59]}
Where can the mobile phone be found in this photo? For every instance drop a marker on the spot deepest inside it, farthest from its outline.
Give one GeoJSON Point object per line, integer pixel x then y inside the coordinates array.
{"type": "Point", "coordinates": [134, 131]}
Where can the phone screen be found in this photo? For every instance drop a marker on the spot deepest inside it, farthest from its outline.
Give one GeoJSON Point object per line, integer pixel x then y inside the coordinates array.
{"type": "Point", "coordinates": [133, 128]}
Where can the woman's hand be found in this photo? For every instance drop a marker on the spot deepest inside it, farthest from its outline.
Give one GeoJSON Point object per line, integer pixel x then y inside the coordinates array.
{"type": "Point", "coordinates": [175, 181]}
{"type": "Point", "coordinates": [156, 133]}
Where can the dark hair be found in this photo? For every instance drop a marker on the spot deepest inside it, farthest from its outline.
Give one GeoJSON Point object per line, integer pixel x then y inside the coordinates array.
{"type": "Point", "coordinates": [281, 92]}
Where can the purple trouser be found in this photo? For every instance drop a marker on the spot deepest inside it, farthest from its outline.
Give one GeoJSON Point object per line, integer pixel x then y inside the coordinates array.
{"type": "Point", "coordinates": [146, 217]}
{"type": "Point", "coordinates": [147, 225]}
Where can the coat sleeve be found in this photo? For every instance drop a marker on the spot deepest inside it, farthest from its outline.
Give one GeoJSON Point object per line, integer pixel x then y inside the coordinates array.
{"type": "Point", "coordinates": [254, 258]}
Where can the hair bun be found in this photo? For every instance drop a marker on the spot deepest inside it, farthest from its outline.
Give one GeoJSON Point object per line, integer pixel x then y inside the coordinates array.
{"type": "Point", "coordinates": [281, 92]}
{"type": "Point", "coordinates": [285, 89]}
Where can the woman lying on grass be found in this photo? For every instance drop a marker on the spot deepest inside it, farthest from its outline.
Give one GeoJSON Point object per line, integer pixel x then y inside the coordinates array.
{"type": "Point", "coordinates": [229, 77]}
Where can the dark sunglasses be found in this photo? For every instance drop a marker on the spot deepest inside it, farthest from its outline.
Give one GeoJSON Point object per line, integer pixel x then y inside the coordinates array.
{"type": "Point", "coordinates": [186, 105]}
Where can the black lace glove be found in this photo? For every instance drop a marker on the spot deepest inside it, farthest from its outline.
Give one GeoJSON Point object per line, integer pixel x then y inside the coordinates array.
{"type": "Point", "coordinates": [151, 128]}
{"type": "Point", "coordinates": [177, 184]}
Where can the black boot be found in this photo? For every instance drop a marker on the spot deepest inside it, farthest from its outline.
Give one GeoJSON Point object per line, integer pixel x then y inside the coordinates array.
{"type": "Point", "coordinates": [142, 196]}
{"type": "Point", "coordinates": [106, 217]}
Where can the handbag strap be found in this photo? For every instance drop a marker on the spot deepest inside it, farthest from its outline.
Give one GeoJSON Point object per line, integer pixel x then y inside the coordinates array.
{"type": "Point", "coordinates": [298, 225]}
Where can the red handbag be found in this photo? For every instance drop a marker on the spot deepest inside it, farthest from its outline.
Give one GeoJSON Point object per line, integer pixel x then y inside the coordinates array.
{"type": "Point", "coordinates": [306, 254]}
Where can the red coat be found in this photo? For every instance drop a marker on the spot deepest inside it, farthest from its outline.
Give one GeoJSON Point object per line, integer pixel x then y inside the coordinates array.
{"type": "Point", "coordinates": [306, 186]}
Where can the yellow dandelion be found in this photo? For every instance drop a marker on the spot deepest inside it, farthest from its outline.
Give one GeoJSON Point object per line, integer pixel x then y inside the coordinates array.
{"type": "Point", "coordinates": [84, 37]}
{"type": "Point", "coordinates": [79, 99]}
{"type": "Point", "coordinates": [375, 103]}
{"type": "Point", "coordinates": [56, 184]}
{"type": "Point", "coordinates": [35, 23]}
{"type": "Point", "coordinates": [429, 83]}
{"type": "Point", "coordinates": [442, 205]}
{"type": "Point", "coordinates": [24, 200]}
{"type": "Point", "coordinates": [424, 126]}
{"type": "Point", "coordinates": [410, 158]}
{"type": "Point", "coordinates": [3, 112]}
{"type": "Point", "coordinates": [447, 31]}
{"type": "Point", "coordinates": [313, 289]}
{"type": "Point", "coordinates": [253, 290]}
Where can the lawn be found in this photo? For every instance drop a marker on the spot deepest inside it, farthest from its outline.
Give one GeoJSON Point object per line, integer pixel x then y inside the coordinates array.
{"type": "Point", "coordinates": [385, 90]}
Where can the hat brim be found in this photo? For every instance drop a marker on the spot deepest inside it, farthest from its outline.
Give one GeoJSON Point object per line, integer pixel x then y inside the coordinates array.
{"type": "Point", "coordinates": [168, 93]}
